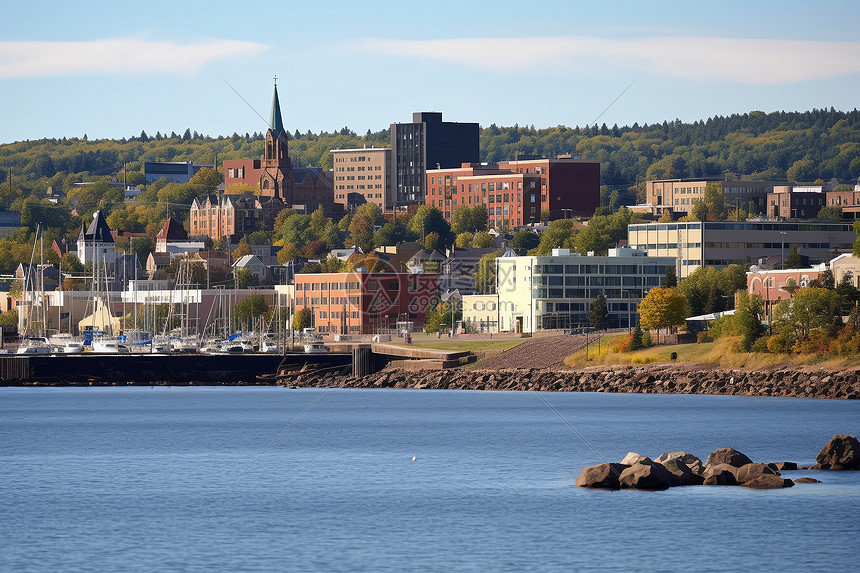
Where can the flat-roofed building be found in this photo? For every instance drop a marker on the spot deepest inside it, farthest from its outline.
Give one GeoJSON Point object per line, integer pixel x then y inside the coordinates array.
{"type": "Point", "coordinates": [570, 187]}
{"type": "Point", "coordinates": [365, 303]}
{"type": "Point", "coordinates": [678, 196]}
{"type": "Point", "coordinates": [362, 176]}
{"type": "Point", "coordinates": [556, 291]}
{"type": "Point", "coordinates": [176, 171]}
{"type": "Point", "coordinates": [481, 313]}
{"type": "Point", "coordinates": [427, 143]}
{"type": "Point", "coordinates": [719, 244]}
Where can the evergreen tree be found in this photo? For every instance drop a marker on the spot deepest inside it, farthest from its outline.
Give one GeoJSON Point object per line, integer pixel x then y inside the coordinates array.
{"type": "Point", "coordinates": [636, 339]}
{"type": "Point", "coordinates": [598, 315]}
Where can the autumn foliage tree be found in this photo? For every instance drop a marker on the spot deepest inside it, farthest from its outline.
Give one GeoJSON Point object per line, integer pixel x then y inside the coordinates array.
{"type": "Point", "coordinates": [663, 307]}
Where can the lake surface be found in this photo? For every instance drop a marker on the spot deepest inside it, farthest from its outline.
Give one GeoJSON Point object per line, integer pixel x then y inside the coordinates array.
{"type": "Point", "coordinates": [271, 479]}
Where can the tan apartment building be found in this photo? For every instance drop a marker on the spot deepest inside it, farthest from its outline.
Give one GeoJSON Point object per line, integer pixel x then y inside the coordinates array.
{"type": "Point", "coordinates": [363, 175]}
{"type": "Point", "coordinates": [719, 244]}
{"type": "Point", "coordinates": [678, 196]}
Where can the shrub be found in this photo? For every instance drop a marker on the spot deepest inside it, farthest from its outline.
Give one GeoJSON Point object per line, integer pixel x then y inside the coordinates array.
{"type": "Point", "coordinates": [760, 345]}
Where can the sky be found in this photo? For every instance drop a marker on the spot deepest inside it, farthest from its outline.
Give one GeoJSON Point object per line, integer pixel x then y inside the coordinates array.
{"type": "Point", "coordinates": [112, 69]}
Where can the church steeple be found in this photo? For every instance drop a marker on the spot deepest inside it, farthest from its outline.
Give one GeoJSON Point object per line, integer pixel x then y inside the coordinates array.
{"type": "Point", "coordinates": [276, 124]}
{"type": "Point", "coordinates": [276, 164]}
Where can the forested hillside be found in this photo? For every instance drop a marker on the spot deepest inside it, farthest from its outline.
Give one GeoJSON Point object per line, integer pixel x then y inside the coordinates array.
{"type": "Point", "coordinates": [799, 146]}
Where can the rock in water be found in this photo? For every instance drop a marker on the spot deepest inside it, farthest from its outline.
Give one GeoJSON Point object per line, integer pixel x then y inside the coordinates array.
{"type": "Point", "coordinates": [604, 476]}
{"type": "Point", "coordinates": [682, 472]}
{"type": "Point", "coordinates": [768, 481]}
{"type": "Point", "coordinates": [842, 452]}
{"type": "Point", "coordinates": [647, 475]}
{"type": "Point", "coordinates": [720, 474]}
{"type": "Point", "coordinates": [807, 480]}
{"type": "Point", "coordinates": [634, 458]}
{"type": "Point", "coordinates": [727, 456]}
{"type": "Point", "coordinates": [750, 472]}
{"type": "Point", "coordinates": [691, 461]}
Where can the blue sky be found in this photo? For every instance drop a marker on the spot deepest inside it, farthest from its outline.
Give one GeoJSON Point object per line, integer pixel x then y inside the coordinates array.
{"type": "Point", "coordinates": [112, 69]}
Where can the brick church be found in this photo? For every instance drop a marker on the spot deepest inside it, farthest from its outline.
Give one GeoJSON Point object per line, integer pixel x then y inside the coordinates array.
{"type": "Point", "coordinates": [302, 188]}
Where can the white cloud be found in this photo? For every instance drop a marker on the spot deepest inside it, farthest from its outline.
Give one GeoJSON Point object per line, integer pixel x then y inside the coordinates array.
{"type": "Point", "coordinates": [115, 56]}
{"type": "Point", "coordinates": [747, 61]}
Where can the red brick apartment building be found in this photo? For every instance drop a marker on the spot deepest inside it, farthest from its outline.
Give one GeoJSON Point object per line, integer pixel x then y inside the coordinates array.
{"type": "Point", "coordinates": [515, 192]}
{"type": "Point", "coordinates": [365, 303]}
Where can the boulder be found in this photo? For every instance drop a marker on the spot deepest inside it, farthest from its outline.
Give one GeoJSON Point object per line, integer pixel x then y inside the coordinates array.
{"type": "Point", "coordinates": [691, 461]}
{"type": "Point", "coordinates": [842, 452]}
{"type": "Point", "coordinates": [768, 481]}
{"type": "Point", "coordinates": [634, 458]}
{"type": "Point", "coordinates": [604, 476]}
{"type": "Point", "coordinates": [647, 475]}
{"type": "Point", "coordinates": [683, 473]}
{"type": "Point", "coordinates": [720, 474]}
{"type": "Point", "coordinates": [783, 466]}
{"type": "Point", "coordinates": [727, 456]}
{"type": "Point", "coordinates": [750, 472]}
{"type": "Point", "coordinates": [806, 480]}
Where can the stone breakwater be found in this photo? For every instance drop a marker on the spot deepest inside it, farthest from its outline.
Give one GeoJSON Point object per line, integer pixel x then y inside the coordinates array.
{"type": "Point", "coordinates": [621, 379]}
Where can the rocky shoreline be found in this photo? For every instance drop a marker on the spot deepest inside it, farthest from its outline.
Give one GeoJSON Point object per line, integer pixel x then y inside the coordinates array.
{"type": "Point", "coordinates": [725, 466]}
{"type": "Point", "coordinates": [662, 379]}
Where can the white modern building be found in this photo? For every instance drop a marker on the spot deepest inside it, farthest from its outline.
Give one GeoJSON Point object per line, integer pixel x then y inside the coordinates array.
{"type": "Point", "coordinates": [556, 292]}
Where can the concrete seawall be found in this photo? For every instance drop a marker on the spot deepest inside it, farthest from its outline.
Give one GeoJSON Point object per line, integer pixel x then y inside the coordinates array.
{"type": "Point", "coordinates": [623, 379]}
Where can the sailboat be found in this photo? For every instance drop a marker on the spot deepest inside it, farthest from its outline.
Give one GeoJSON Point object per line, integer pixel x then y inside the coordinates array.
{"type": "Point", "coordinates": [34, 342]}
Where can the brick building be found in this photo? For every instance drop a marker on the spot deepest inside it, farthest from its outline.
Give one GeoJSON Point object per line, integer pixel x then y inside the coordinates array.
{"type": "Point", "coordinates": [516, 192]}
{"type": "Point", "coordinates": [218, 216]}
{"type": "Point", "coordinates": [365, 303]}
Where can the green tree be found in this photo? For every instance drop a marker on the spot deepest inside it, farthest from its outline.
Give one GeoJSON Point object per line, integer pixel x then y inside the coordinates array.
{"type": "Point", "coordinates": [598, 314]}
{"type": "Point", "coordinates": [483, 240]}
{"type": "Point", "coordinates": [636, 342]}
{"type": "Point", "coordinates": [748, 319]}
{"type": "Point", "coordinates": [830, 213]}
{"type": "Point", "coordinates": [427, 220]}
{"type": "Point", "coordinates": [557, 234]}
{"type": "Point", "coordinates": [810, 309]}
{"type": "Point", "coordinates": [715, 201]}
{"type": "Point", "coordinates": [856, 228]}
{"type": "Point", "coordinates": [249, 309]}
{"type": "Point", "coordinates": [463, 240]}
{"type": "Point", "coordinates": [303, 319]}
{"type": "Point", "coordinates": [207, 178]}
{"type": "Point", "coordinates": [793, 261]}
{"type": "Point", "coordinates": [524, 241]}
{"type": "Point", "coordinates": [670, 279]}
{"type": "Point", "coordinates": [485, 274]}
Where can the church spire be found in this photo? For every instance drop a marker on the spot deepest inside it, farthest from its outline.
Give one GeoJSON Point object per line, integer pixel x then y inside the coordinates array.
{"type": "Point", "coordinates": [276, 124]}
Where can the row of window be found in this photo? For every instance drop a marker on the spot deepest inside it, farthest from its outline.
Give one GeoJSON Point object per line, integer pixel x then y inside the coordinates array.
{"type": "Point", "coordinates": [598, 269]}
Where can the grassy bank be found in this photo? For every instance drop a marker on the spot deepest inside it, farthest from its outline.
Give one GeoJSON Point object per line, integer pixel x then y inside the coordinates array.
{"type": "Point", "coordinates": [720, 353]}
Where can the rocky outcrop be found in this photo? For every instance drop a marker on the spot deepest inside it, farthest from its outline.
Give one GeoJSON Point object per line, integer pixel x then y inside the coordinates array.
{"type": "Point", "coordinates": [601, 476]}
{"type": "Point", "coordinates": [720, 474]}
{"type": "Point", "coordinates": [684, 474]}
{"type": "Point", "coordinates": [634, 458]}
{"type": "Point", "coordinates": [649, 475]}
{"type": "Point", "coordinates": [768, 481]}
{"type": "Point", "coordinates": [842, 452]}
{"type": "Point", "coordinates": [691, 461]}
{"type": "Point", "coordinates": [725, 466]}
{"type": "Point", "coordinates": [649, 379]}
{"type": "Point", "coordinates": [728, 456]}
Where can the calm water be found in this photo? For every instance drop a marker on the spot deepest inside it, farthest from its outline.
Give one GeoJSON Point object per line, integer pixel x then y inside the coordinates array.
{"type": "Point", "coordinates": [140, 479]}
